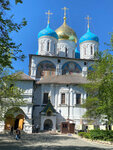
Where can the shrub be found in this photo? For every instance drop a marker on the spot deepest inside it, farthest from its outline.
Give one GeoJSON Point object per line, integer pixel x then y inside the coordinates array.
{"type": "Point", "coordinates": [84, 134]}
{"type": "Point", "coordinates": [101, 134]}
{"type": "Point", "coordinates": [87, 135]}
{"type": "Point", "coordinates": [81, 134]}
{"type": "Point", "coordinates": [98, 135]}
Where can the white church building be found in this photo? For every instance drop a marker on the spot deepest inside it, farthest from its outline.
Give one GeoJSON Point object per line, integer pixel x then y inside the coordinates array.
{"type": "Point", "coordinates": [52, 87]}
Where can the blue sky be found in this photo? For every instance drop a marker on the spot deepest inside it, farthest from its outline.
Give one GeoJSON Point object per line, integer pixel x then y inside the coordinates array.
{"type": "Point", "coordinates": [101, 12]}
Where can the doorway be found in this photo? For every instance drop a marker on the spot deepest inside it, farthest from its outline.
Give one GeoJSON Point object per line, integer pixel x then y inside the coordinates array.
{"type": "Point", "coordinates": [48, 125]}
{"type": "Point", "coordinates": [14, 118]}
{"type": "Point", "coordinates": [19, 121]}
{"type": "Point", "coordinates": [16, 124]}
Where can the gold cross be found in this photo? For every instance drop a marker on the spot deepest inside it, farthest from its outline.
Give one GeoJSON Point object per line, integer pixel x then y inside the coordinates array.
{"type": "Point", "coordinates": [88, 18]}
{"type": "Point", "coordinates": [48, 13]}
{"type": "Point", "coordinates": [65, 11]}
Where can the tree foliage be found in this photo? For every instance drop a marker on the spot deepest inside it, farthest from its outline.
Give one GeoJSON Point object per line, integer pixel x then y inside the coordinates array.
{"type": "Point", "coordinates": [8, 49]}
{"type": "Point", "coordinates": [99, 103]}
{"type": "Point", "coordinates": [10, 94]}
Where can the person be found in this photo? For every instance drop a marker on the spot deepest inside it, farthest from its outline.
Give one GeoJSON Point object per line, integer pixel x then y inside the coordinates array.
{"type": "Point", "coordinates": [11, 130]}
{"type": "Point", "coordinates": [37, 128]}
{"type": "Point", "coordinates": [17, 134]}
{"type": "Point", "coordinates": [34, 128]}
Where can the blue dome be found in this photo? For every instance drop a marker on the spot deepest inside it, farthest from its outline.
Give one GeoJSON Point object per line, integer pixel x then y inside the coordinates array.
{"type": "Point", "coordinates": [77, 54]}
{"type": "Point", "coordinates": [48, 32]}
{"type": "Point", "coordinates": [88, 36]}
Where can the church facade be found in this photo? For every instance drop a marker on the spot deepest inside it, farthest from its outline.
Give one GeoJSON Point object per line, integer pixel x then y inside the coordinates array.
{"type": "Point", "coordinates": [53, 86]}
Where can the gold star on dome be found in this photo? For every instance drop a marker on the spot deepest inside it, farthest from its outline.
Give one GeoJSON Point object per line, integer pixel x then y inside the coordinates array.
{"type": "Point", "coordinates": [88, 18]}
{"type": "Point", "coordinates": [48, 13]}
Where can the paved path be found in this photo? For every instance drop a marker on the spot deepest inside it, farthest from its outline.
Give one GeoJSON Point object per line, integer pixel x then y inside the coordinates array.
{"type": "Point", "coordinates": [46, 141]}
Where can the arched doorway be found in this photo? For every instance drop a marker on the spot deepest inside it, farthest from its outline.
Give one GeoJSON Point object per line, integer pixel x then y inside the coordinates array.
{"type": "Point", "coordinates": [48, 125]}
{"type": "Point", "coordinates": [14, 117]}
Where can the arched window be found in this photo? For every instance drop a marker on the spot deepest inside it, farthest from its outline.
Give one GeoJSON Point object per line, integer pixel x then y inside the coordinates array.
{"type": "Point", "coordinates": [45, 68]}
{"type": "Point", "coordinates": [54, 48]}
{"type": "Point", "coordinates": [48, 46]}
{"type": "Point", "coordinates": [91, 50]}
{"type": "Point", "coordinates": [66, 51]}
{"type": "Point", "coordinates": [71, 68]}
{"type": "Point", "coordinates": [84, 51]}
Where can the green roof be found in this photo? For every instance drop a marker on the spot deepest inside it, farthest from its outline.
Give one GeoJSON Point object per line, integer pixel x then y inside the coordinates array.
{"type": "Point", "coordinates": [49, 106]}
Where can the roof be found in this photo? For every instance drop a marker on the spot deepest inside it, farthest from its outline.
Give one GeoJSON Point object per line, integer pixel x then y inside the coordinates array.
{"type": "Point", "coordinates": [89, 36]}
{"type": "Point", "coordinates": [49, 107]}
{"type": "Point", "coordinates": [48, 32]}
{"type": "Point", "coordinates": [22, 76]}
{"type": "Point", "coordinates": [58, 57]}
{"type": "Point", "coordinates": [64, 79]}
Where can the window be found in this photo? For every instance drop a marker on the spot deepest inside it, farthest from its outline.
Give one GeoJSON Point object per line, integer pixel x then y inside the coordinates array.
{"type": "Point", "coordinates": [64, 125]}
{"type": "Point", "coordinates": [63, 98]}
{"type": "Point", "coordinates": [91, 50]}
{"type": "Point", "coordinates": [78, 98]}
{"type": "Point", "coordinates": [85, 63]}
{"type": "Point", "coordinates": [47, 46]}
{"type": "Point", "coordinates": [45, 98]}
{"type": "Point", "coordinates": [49, 113]}
{"type": "Point", "coordinates": [54, 48]}
{"type": "Point", "coordinates": [84, 50]}
{"type": "Point", "coordinates": [58, 60]}
{"type": "Point", "coordinates": [66, 51]}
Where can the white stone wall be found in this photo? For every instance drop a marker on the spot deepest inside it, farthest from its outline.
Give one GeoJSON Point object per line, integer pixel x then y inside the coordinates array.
{"type": "Point", "coordinates": [35, 60]}
{"type": "Point", "coordinates": [87, 49]}
{"type": "Point", "coordinates": [47, 49]}
{"type": "Point", "coordinates": [2, 125]}
{"type": "Point", "coordinates": [62, 45]}
{"type": "Point", "coordinates": [56, 47]}
{"type": "Point", "coordinates": [69, 109]}
{"type": "Point", "coordinates": [52, 118]}
{"type": "Point", "coordinates": [27, 86]}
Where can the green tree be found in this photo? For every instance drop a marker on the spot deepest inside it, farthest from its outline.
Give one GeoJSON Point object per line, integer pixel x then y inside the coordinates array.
{"type": "Point", "coordinates": [10, 94]}
{"type": "Point", "coordinates": [99, 103]}
{"type": "Point", "coordinates": [8, 49]}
